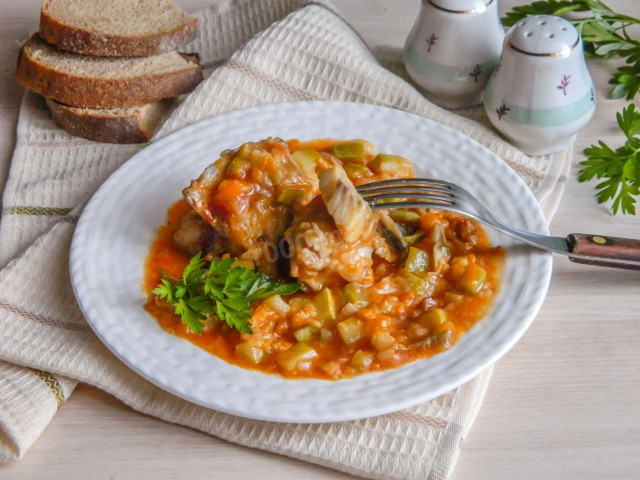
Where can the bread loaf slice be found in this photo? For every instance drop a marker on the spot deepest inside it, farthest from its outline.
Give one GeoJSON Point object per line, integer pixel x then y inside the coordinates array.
{"type": "Point", "coordinates": [104, 82]}
{"type": "Point", "coordinates": [111, 125]}
{"type": "Point", "coordinates": [122, 28]}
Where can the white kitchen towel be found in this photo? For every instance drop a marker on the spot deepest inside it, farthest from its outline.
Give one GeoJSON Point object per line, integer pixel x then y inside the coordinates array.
{"type": "Point", "coordinates": [258, 52]}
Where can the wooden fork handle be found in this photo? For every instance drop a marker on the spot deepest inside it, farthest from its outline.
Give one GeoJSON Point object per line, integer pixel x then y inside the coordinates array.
{"type": "Point", "coordinates": [605, 251]}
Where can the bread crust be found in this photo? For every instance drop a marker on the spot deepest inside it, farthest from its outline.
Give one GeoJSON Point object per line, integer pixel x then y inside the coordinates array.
{"type": "Point", "coordinates": [99, 127]}
{"type": "Point", "coordinates": [85, 42]}
{"type": "Point", "coordinates": [104, 92]}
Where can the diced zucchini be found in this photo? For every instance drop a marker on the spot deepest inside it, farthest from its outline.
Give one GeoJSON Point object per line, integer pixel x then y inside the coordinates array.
{"type": "Point", "coordinates": [333, 369]}
{"type": "Point", "coordinates": [240, 262]}
{"type": "Point", "coordinates": [433, 319]}
{"type": "Point", "coordinates": [249, 353]}
{"type": "Point", "coordinates": [349, 150]}
{"type": "Point", "coordinates": [392, 165]}
{"type": "Point", "coordinates": [416, 331]}
{"type": "Point", "coordinates": [356, 295]}
{"type": "Point", "coordinates": [325, 305]}
{"type": "Point", "coordinates": [472, 278]}
{"type": "Point", "coordinates": [288, 195]}
{"type": "Point", "coordinates": [417, 261]}
{"type": "Point", "coordinates": [416, 283]}
{"type": "Point", "coordinates": [355, 170]}
{"type": "Point", "coordinates": [362, 360]}
{"type": "Point", "coordinates": [424, 286]}
{"type": "Point", "coordinates": [245, 150]}
{"type": "Point", "coordinates": [382, 340]}
{"type": "Point", "coordinates": [277, 304]}
{"type": "Point", "coordinates": [238, 166]}
{"type": "Point", "coordinates": [306, 334]}
{"type": "Point", "coordinates": [351, 330]}
{"type": "Point", "coordinates": [348, 310]}
{"type": "Point", "coordinates": [389, 356]}
{"type": "Point", "coordinates": [307, 158]}
{"type": "Point", "coordinates": [462, 261]}
{"type": "Point", "coordinates": [404, 216]}
{"type": "Point", "coordinates": [325, 335]}
{"type": "Point", "coordinates": [299, 303]}
{"type": "Point", "coordinates": [451, 297]}
{"type": "Point", "coordinates": [300, 353]}
{"type": "Point", "coordinates": [303, 366]}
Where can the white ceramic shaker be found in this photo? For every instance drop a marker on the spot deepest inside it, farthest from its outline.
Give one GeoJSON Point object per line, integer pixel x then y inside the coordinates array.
{"type": "Point", "coordinates": [452, 49]}
{"type": "Point", "coordinates": [541, 94]}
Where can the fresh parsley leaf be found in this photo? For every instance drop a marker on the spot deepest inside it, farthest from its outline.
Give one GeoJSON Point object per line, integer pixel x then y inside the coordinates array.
{"type": "Point", "coordinates": [604, 33]}
{"type": "Point", "coordinates": [547, 7]}
{"type": "Point", "coordinates": [620, 168]}
{"type": "Point", "coordinates": [629, 121]}
{"type": "Point", "coordinates": [218, 289]}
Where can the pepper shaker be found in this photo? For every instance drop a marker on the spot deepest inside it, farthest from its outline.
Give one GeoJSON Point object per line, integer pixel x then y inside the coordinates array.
{"type": "Point", "coordinates": [453, 48]}
{"type": "Point", "coordinates": [541, 94]}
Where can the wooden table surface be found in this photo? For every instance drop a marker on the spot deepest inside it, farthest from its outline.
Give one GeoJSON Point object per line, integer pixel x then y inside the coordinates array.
{"type": "Point", "coordinates": [563, 403]}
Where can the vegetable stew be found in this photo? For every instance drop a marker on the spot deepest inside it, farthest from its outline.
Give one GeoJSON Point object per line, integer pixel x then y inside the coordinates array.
{"type": "Point", "coordinates": [375, 289]}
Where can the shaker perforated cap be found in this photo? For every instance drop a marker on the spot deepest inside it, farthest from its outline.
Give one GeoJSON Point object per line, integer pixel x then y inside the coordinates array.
{"type": "Point", "coordinates": [544, 36]}
{"type": "Point", "coordinates": [461, 6]}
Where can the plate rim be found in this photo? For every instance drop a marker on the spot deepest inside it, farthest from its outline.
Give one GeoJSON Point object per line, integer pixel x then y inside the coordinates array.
{"type": "Point", "coordinates": [102, 191]}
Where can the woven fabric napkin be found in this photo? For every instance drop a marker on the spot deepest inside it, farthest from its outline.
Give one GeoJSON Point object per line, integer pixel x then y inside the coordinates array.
{"type": "Point", "coordinates": [259, 52]}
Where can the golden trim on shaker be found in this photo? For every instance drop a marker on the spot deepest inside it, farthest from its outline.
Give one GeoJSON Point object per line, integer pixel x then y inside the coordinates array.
{"type": "Point", "coordinates": [475, 10]}
{"type": "Point", "coordinates": [564, 51]}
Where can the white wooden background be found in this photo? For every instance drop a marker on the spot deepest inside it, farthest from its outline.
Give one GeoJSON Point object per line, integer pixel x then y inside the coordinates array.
{"type": "Point", "coordinates": [563, 404]}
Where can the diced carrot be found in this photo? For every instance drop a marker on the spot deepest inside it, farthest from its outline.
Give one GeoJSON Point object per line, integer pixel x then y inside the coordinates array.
{"type": "Point", "coordinates": [322, 144]}
{"type": "Point", "coordinates": [229, 190]}
{"type": "Point", "coordinates": [407, 298]}
{"type": "Point", "coordinates": [429, 219]}
{"type": "Point", "coordinates": [294, 144]}
{"type": "Point", "coordinates": [263, 315]}
{"type": "Point", "coordinates": [367, 314]}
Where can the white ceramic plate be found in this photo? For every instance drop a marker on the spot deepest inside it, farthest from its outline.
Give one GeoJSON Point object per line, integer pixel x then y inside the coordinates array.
{"type": "Point", "coordinates": [117, 226]}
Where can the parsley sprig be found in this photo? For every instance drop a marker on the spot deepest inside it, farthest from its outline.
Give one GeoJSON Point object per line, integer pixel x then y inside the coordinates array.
{"type": "Point", "coordinates": [221, 290]}
{"type": "Point", "coordinates": [604, 33]}
{"type": "Point", "coordinates": [620, 167]}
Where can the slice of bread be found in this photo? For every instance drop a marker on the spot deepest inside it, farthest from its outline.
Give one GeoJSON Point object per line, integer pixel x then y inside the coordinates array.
{"type": "Point", "coordinates": [120, 28]}
{"type": "Point", "coordinates": [111, 125]}
{"type": "Point", "coordinates": [104, 82]}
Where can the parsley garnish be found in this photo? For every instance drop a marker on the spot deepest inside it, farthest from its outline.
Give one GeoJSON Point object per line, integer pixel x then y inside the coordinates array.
{"type": "Point", "coordinates": [620, 167]}
{"type": "Point", "coordinates": [221, 290]}
{"type": "Point", "coordinates": [604, 33]}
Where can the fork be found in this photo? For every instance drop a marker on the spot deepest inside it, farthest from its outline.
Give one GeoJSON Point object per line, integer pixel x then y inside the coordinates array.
{"type": "Point", "coordinates": [591, 249]}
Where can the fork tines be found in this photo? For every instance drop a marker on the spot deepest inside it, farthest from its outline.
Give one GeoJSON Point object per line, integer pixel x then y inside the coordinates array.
{"type": "Point", "coordinates": [408, 193]}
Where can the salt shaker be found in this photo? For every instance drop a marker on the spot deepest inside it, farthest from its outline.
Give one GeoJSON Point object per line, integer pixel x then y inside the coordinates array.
{"type": "Point", "coordinates": [452, 49]}
{"type": "Point", "coordinates": [541, 94]}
